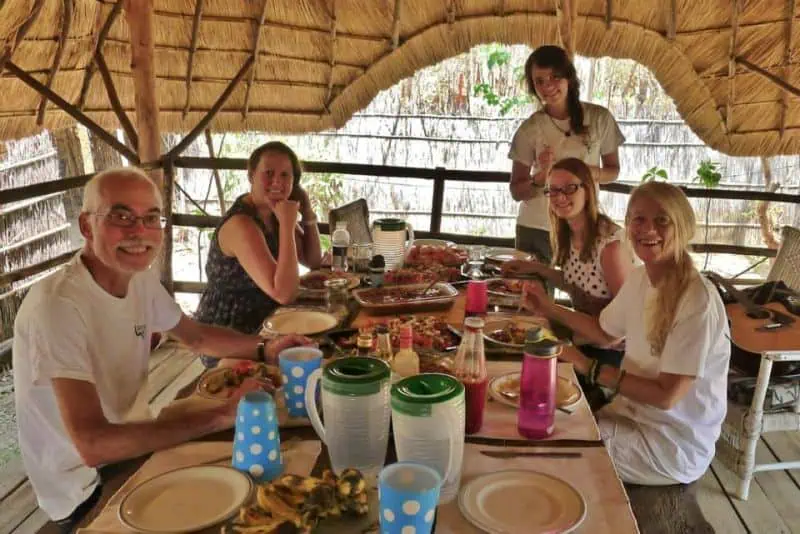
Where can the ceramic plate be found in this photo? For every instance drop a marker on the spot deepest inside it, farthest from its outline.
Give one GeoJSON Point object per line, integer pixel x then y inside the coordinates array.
{"type": "Point", "coordinates": [521, 502]}
{"type": "Point", "coordinates": [304, 322]}
{"type": "Point", "coordinates": [433, 243]}
{"type": "Point", "coordinates": [353, 279]}
{"type": "Point", "coordinates": [502, 255]}
{"type": "Point", "coordinates": [492, 326]}
{"type": "Point", "coordinates": [186, 499]}
{"type": "Point", "coordinates": [221, 383]}
{"type": "Point", "coordinates": [567, 394]}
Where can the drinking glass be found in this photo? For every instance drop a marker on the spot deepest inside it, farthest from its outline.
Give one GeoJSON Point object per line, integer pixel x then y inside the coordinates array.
{"type": "Point", "coordinates": [297, 364]}
{"type": "Point", "coordinates": [477, 254]}
{"type": "Point", "coordinates": [407, 496]}
{"type": "Point", "coordinates": [256, 444]}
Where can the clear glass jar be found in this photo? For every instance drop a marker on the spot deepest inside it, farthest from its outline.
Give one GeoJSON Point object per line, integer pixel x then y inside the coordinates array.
{"type": "Point", "coordinates": [336, 295]}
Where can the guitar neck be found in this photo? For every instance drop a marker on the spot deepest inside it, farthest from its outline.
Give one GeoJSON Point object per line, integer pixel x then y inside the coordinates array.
{"type": "Point", "coordinates": [741, 298]}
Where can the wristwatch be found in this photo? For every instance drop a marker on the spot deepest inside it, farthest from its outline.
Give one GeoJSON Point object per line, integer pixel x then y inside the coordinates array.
{"type": "Point", "coordinates": [262, 353]}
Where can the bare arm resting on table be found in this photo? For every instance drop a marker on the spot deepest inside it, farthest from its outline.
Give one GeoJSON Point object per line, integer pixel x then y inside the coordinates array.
{"type": "Point", "coordinates": [662, 392]}
{"type": "Point", "coordinates": [100, 442]}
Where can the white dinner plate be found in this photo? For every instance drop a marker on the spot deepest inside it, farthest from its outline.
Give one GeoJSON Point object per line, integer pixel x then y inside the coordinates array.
{"type": "Point", "coordinates": [304, 322]}
{"type": "Point", "coordinates": [567, 393]}
{"type": "Point", "coordinates": [353, 280]}
{"type": "Point", "coordinates": [434, 243]}
{"type": "Point", "coordinates": [502, 254]}
{"type": "Point", "coordinates": [185, 500]}
{"type": "Point", "coordinates": [521, 502]}
{"type": "Point", "coordinates": [491, 326]}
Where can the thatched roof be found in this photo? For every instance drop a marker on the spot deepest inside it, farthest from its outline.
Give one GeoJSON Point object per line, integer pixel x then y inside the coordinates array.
{"type": "Point", "coordinates": [308, 78]}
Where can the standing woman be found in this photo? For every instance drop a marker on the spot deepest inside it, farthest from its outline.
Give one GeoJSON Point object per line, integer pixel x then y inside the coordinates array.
{"type": "Point", "coordinates": [252, 264]}
{"type": "Point", "coordinates": [564, 127]}
{"type": "Point", "coordinates": [662, 426]}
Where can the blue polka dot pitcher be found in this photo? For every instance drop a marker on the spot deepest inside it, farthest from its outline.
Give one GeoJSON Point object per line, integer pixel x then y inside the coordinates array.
{"type": "Point", "coordinates": [355, 403]}
{"type": "Point", "coordinates": [256, 443]}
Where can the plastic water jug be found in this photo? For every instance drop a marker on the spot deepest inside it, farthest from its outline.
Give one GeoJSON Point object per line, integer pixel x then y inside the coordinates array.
{"type": "Point", "coordinates": [392, 239]}
{"type": "Point", "coordinates": [355, 403]}
{"type": "Point", "coordinates": [428, 422]}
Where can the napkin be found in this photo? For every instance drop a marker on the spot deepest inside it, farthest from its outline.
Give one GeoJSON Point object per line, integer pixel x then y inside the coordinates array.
{"type": "Point", "coordinates": [299, 458]}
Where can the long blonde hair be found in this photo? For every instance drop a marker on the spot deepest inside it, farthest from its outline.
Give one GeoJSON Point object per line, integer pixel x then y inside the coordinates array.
{"type": "Point", "coordinates": [673, 285]}
{"type": "Point", "coordinates": [596, 222]}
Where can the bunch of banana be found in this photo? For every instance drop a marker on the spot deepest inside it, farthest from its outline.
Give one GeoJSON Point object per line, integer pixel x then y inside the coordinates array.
{"type": "Point", "coordinates": [293, 504]}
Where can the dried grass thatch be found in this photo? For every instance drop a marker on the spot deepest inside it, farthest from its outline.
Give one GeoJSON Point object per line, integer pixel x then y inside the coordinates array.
{"type": "Point", "coordinates": [310, 78]}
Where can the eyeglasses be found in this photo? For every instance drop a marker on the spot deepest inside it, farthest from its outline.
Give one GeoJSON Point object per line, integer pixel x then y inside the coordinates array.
{"type": "Point", "coordinates": [568, 190]}
{"type": "Point", "coordinates": [122, 219]}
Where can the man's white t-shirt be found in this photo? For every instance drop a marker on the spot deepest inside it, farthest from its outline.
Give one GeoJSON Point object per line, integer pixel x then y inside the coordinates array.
{"type": "Point", "coordinates": [69, 327]}
{"type": "Point", "coordinates": [681, 440]}
{"type": "Point", "coordinates": [602, 137]}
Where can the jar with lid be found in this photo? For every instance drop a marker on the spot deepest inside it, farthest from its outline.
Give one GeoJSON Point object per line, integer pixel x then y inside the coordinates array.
{"type": "Point", "coordinates": [377, 267]}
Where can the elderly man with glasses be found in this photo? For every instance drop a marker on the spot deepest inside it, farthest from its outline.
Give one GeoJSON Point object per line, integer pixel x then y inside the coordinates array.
{"type": "Point", "coordinates": [82, 345]}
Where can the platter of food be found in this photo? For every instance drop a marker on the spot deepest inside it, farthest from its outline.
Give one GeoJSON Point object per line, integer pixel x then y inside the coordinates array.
{"type": "Point", "coordinates": [222, 382]}
{"type": "Point", "coordinates": [405, 297]}
{"type": "Point", "coordinates": [293, 503]}
{"type": "Point", "coordinates": [442, 254]}
{"type": "Point", "coordinates": [511, 331]}
{"type": "Point", "coordinates": [505, 390]}
{"type": "Point", "coordinates": [507, 287]}
{"type": "Point", "coordinates": [433, 243]}
{"type": "Point", "coordinates": [430, 333]}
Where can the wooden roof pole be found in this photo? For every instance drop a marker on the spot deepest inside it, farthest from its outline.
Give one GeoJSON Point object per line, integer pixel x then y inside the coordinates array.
{"type": "Point", "coordinates": [116, 105]}
{"type": "Point", "coordinates": [5, 56]}
{"type": "Point", "coordinates": [396, 23]}
{"type": "Point", "coordinates": [732, 66]}
{"type": "Point", "coordinates": [256, 52]}
{"type": "Point", "coordinates": [789, 88]}
{"type": "Point", "coordinates": [139, 14]}
{"type": "Point", "coordinates": [787, 57]}
{"type": "Point", "coordinates": [198, 15]}
{"type": "Point", "coordinates": [329, 95]}
{"type": "Point", "coordinates": [66, 23]}
{"type": "Point", "coordinates": [566, 13]}
{"type": "Point", "coordinates": [98, 47]}
{"type": "Point", "coordinates": [672, 22]}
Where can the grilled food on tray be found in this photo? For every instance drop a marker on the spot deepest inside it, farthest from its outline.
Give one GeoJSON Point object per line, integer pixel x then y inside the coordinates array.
{"type": "Point", "coordinates": [429, 333]}
{"type": "Point", "coordinates": [510, 333]}
{"type": "Point", "coordinates": [396, 295]}
{"type": "Point", "coordinates": [316, 279]}
{"type": "Point", "coordinates": [294, 504]}
{"type": "Point", "coordinates": [436, 254]}
{"type": "Point", "coordinates": [421, 273]}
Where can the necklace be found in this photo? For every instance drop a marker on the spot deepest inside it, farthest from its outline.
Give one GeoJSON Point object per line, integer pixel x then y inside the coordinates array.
{"type": "Point", "coordinates": [567, 133]}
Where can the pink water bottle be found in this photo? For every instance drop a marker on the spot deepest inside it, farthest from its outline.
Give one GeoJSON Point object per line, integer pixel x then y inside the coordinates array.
{"type": "Point", "coordinates": [537, 387]}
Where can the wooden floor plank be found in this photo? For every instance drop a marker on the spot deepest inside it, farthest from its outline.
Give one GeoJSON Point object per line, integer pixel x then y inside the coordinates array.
{"type": "Point", "coordinates": [33, 523]}
{"type": "Point", "coordinates": [786, 446]}
{"type": "Point", "coordinates": [17, 507]}
{"type": "Point", "coordinates": [716, 506]}
{"type": "Point", "coordinates": [780, 489]}
{"type": "Point", "coordinates": [11, 475]}
{"type": "Point", "coordinates": [757, 512]}
{"type": "Point", "coordinates": [167, 395]}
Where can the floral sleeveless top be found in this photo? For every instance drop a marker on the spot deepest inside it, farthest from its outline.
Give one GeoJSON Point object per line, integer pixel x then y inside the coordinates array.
{"type": "Point", "coordinates": [232, 298]}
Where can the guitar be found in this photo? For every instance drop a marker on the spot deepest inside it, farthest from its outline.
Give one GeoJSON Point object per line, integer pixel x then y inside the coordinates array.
{"type": "Point", "coordinates": [777, 317]}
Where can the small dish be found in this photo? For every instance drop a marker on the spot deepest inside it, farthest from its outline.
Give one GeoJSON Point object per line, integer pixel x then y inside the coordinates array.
{"type": "Point", "coordinates": [304, 322]}
{"type": "Point", "coordinates": [220, 383]}
{"type": "Point", "coordinates": [185, 500]}
{"type": "Point", "coordinates": [502, 255]}
{"type": "Point", "coordinates": [567, 393]}
{"type": "Point", "coordinates": [514, 325]}
{"type": "Point", "coordinates": [519, 501]}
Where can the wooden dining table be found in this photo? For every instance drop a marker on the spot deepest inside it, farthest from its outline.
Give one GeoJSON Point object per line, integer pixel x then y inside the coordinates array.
{"type": "Point", "coordinates": [590, 471]}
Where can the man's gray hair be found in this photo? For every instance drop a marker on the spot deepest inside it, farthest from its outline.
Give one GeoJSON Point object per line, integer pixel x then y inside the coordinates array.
{"type": "Point", "coordinates": [93, 188]}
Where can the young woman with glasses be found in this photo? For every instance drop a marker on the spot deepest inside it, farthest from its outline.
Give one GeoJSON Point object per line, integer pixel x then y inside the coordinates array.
{"type": "Point", "coordinates": [564, 127]}
{"type": "Point", "coordinates": [591, 257]}
{"type": "Point", "coordinates": [662, 426]}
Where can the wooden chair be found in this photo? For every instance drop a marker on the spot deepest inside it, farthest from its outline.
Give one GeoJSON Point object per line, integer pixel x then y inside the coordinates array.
{"type": "Point", "coordinates": [744, 425]}
{"type": "Point", "coordinates": [356, 214]}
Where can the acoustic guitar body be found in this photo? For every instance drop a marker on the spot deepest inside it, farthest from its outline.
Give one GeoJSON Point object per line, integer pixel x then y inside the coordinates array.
{"type": "Point", "coordinates": [749, 339]}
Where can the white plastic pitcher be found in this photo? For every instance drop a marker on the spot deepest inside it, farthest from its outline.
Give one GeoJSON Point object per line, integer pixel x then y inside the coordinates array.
{"type": "Point", "coordinates": [428, 421]}
{"type": "Point", "coordinates": [392, 239]}
{"type": "Point", "coordinates": [355, 404]}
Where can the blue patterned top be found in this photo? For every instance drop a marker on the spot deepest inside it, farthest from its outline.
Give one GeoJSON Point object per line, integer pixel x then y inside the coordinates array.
{"type": "Point", "coordinates": [231, 297]}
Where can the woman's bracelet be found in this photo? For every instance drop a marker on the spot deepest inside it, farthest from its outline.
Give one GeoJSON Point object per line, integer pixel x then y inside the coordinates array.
{"type": "Point", "coordinates": [309, 222]}
{"type": "Point", "coordinates": [590, 375]}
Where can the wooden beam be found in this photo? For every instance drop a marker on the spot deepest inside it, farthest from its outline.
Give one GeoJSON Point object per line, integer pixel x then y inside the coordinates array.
{"type": "Point", "coordinates": [256, 52]}
{"type": "Point", "coordinates": [437, 205]}
{"type": "Point", "coordinates": [609, 13]}
{"type": "Point", "coordinates": [215, 173]}
{"type": "Point", "coordinates": [72, 111]}
{"type": "Point", "coordinates": [451, 12]}
{"type": "Point", "coordinates": [732, 65]}
{"type": "Point", "coordinates": [672, 22]}
{"type": "Point", "coordinates": [66, 24]}
{"type": "Point", "coordinates": [204, 122]}
{"type": "Point", "coordinates": [139, 15]}
{"type": "Point", "coordinates": [787, 59]}
{"type": "Point", "coordinates": [769, 76]}
{"type": "Point", "coordinates": [566, 11]}
{"type": "Point", "coordinates": [166, 251]}
{"type": "Point", "coordinates": [329, 96]}
{"type": "Point", "coordinates": [31, 270]}
{"type": "Point", "coordinates": [396, 23]}
{"type": "Point", "coordinates": [124, 121]}
{"type": "Point", "coordinates": [198, 15]}
{"type": "Point", "coordinates": [98, 46]}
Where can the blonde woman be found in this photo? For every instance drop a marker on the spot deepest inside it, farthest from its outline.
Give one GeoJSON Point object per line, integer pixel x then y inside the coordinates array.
{"type": "Point", "coordinates": [663, 425]}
